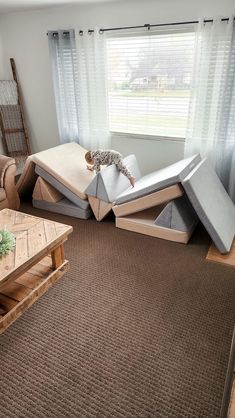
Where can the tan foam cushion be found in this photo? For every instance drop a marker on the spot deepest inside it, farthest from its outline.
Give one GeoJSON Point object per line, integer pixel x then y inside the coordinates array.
{"type": "Point", "coordinates": [44, 191]}
{"type": "Point", "coordinates": [66, 163]}
{"type": "Point", "coordinates": [27, 180]}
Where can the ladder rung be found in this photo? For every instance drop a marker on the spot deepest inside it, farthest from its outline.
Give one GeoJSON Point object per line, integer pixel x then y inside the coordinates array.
{"type": "Point", "coordinates": [13, 130]}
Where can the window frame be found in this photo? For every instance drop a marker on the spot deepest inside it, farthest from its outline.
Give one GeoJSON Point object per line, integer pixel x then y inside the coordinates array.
{"type": "Point", "coordinates": [146, 32]}
{"type": "Point", "coordinates": [158, 138]}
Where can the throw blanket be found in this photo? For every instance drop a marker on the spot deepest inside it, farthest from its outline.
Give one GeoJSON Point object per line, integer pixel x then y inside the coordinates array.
{"type": "Point", "coordinates": [8, 92]}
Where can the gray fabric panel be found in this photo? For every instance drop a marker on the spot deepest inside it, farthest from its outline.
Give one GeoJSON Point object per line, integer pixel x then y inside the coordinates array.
{"type": "Point", "coordinates": [212, 204]}
{"type": "Point", "coordinates": [64, 207]}
{"type": "Point", "coordinates": [160, 179]}
{"type": "Point", "coordinates": [84, 204]}
{"type": "Point", "coordinates": [178, 215]}
{"type": "Point", "coordinates": [96, 188]}
{"type": "Point", "coordinates": [91, 190]}
{"type": "Point", "coordinates": [109, 183]}
{"type": "Point", "coordinates": [164, 217]}
{"type": "Point", "coordinates": [101, 191]}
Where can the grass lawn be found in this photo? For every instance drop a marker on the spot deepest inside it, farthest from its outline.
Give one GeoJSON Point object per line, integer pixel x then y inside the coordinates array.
{"type": "Point", "coordinates": [179, 122]}
{"type": "Point", "coordinates": [151, 125]}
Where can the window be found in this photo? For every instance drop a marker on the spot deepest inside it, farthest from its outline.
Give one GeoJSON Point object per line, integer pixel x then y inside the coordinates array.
{"type": "Point", "coordinates": [149, 82]}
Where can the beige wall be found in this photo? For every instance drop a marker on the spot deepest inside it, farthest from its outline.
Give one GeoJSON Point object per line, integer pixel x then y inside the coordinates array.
{"type": "Point", "coordinates": [2, 72]}
{"type": "Point", "coordinates": [24, 38]}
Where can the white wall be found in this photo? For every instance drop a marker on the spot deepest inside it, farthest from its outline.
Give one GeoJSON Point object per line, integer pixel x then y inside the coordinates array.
{"type": "Point", "coordinates": [1, 58]}
{"type": "Point", "coordinates": [1, 75]}
{"type": "Point", "coordinates": [24, 38]}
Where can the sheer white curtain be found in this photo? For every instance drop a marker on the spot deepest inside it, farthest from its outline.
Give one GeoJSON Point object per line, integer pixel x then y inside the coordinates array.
{"type": "Point", "coordinates": [93, 96]}
{"type": "Point", "coordinates": [211, 128]}
{"type": "Point", "coordinates": [63, 57]}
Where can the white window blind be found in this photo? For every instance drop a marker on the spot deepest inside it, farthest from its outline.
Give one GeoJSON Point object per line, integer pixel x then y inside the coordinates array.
{"type": "Point", "coordinates": [63, 56]}
{"type": "Point", "coordinates": [149, 82]}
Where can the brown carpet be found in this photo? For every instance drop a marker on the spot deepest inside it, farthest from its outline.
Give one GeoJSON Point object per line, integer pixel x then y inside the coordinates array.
{"type": "Point", "coordinates": [139, 328]}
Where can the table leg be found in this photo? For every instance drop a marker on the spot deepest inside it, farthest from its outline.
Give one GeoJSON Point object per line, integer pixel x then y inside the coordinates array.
{"type": "Point", "coordinates": [57, 256]}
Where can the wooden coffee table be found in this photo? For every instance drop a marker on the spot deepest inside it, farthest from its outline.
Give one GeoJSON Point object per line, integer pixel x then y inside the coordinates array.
{"type": "Point", "coordinates": [36, 263]}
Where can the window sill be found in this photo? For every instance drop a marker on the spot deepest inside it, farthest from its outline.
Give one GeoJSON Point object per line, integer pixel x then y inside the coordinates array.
{"type": "Point", "coordinates": [126, 136]}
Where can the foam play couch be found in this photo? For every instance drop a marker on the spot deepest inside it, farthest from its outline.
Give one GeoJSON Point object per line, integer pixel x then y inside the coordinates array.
{"type": "Point", "coordinates": [166, 203]}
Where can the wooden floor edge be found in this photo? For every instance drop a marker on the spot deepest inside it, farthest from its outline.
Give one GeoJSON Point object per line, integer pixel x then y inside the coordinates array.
{"type": "Point", "coordinates": [215, 256]}
{"type": "Point", "coordinates": [231, 407]}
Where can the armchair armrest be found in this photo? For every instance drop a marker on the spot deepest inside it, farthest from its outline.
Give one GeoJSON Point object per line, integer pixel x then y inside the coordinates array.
{"type": "Point", "coordinates": [7, 181]}
{"type": "Point", "coordinates": [5, 162]}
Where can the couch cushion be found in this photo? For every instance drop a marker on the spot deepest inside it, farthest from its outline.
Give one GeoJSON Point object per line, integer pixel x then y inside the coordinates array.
{"type": "Point", "coordinates": [2, 194]}
{"type": "Point", "coordinates": [5, 162]}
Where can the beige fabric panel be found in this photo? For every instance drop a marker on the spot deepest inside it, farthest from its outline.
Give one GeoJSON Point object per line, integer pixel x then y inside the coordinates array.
{"type": "Point", "coordinates": [99, 207]}
{"type": "Point", "coordinates": [229, 259]}
{"type": "Point", "coordinates": [65, 162]}
{"type": "Point", "coordinates": [146, 202]}
{"type": "Point", "coordinates": [143, 223]}
{"type": "Point", "coordinates": [27, 180]}
{"type": "Point", "coordinates": [44, 191]}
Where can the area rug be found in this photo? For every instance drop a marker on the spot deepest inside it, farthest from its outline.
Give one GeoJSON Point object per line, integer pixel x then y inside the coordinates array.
{"type": "Point", "coordinates": [138, 328]}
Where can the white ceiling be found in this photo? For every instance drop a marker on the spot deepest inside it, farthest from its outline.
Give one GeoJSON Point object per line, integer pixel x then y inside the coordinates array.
{"type": "Point", "coordinates": [7, 6]}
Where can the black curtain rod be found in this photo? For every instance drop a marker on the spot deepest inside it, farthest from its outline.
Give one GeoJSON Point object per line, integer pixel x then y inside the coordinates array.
{"type": "Point", "coordinates": [148, 26]}
{"type": "Point", "coordinates": [55, 32]}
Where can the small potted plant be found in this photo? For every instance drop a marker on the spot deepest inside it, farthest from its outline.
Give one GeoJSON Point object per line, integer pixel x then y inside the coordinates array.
{"type": "Point", "coordinates": [7, 242]}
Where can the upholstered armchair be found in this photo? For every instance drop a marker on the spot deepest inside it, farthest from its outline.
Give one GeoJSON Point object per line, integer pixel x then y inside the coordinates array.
{"type": "Point", "coordinates": [9, 197]}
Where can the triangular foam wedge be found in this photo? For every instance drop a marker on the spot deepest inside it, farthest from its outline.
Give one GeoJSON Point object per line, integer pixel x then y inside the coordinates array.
{"type": "Point", "coordinates": [99, 207]}
{"type": "Point", "coordinates": [44, 191]}
{"type": "Point", "coordinates": [97, 188]}
{"type": "Point", "coordinates": [143, 223]}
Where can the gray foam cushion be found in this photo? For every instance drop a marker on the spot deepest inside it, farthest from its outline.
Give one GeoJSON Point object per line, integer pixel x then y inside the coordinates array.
{"type": "Point", "coordinates": [212, 204]}
{"type": "Point", "coordinates": [110, 182]}
{"type": "Point", "coordinates": [84, 204]}
{"type": "Point", "coordinates": [160, 179]}
{"type": "Point", "coordinates": [64, 207]}
{"type": "Point", "coordinates": [178, 215]}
